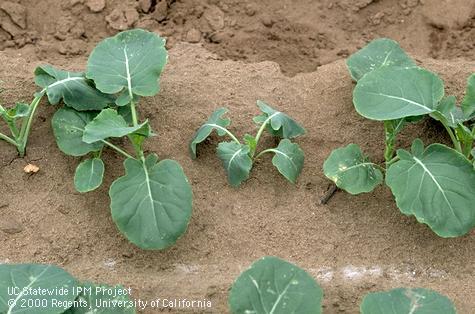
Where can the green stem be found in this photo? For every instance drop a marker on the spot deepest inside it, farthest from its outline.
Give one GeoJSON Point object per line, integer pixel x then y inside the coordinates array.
{"type": "Point", "coordinates": [453, 138]}
{"type": "Point", "coordinates": [269, 150]}
{"type": "Point", "coordinates": [8, 139]}
{"type": "Point", "coordinates": [134, 113]}
{"type": "Point", "coordinates": [263, 126]}
{"type": "Point", "coordinates": [137, 148]}
{"type": "Point", "coordinates": [26, 125]}
{"type": "Point", "coordinates": [390, 162]}
{"type": "Point", "coordinates": [13, 127]}
{"type": "Point", "coordinates": [118, 149]}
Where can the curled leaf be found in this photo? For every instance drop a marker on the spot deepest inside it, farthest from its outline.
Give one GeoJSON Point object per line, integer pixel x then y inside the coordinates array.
{"type": "Point", "coordinates": [236, 161]}
{"type": "Point", "coordinates": [280, 124]}
{"type": "Point", "coordinates": [288, 159]}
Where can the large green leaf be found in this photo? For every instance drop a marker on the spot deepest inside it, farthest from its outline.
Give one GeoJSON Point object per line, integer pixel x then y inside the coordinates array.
{"type": "Point", "coordinates": [351, 170]}
{"type": "Point", "coordinates": [73, 87]}
{"type": "Point", "coordinates": [151, 204]}
{"type": "Point", "coordinates": [274, 286]}
{"type": "Point", "coordinates": [108, 123]}
{"type": "Point", "coordinates": [379, 53]}
{"type": "Point", "coordinates": [236, 161]}
{"type": "Point", "coordinates": [468, 102]}
{"type": "Point", "coordinates": [448, 112]}
{"type": "Point", "coordinates": [407, 301]}
{"type": "Point", "coordinates": [437, 186]}
{"type": "Point", "coordinates": [89, 174]}
{"type": "Point", "coordinates": [68, 127]}
{"type": "Point", "coordinates": [288, 159]}
{"type": "Point", "coordinates": [130, 63]}
{"type": "Point", "coordinates": [279, 124]}
{"type": "Point", "coordinates": [391, 93]}
{"type": "Point", "coordinates": [95, 299]}
{"type": "Point", "coordinates": [24, 279]}
{"type": "Point", "coordinates": [215, 122]}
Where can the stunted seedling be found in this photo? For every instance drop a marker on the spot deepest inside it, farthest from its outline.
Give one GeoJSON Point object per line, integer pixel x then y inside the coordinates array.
{"type": "Point", "coordinates": [238, 157]}
{"type": "Point", "coordinates": [436, 184]}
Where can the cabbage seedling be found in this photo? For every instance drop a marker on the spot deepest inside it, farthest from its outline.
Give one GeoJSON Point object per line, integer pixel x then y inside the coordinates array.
{"type": "Point", "coordinates": [151, 204]}
{"type": "Point", "coordinates": [272, 285]}
{"type": "Point", "coordinates": [436, 184]}
{"type": "Point", "coordinates": [238, 157]}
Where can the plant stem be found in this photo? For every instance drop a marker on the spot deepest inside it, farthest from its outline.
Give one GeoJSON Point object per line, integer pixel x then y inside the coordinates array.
{"type": "Point", "coordinates": [390, 162]}
{"type": "Point", "coordinates": [269, 150]}
{"type": "Point", "coordinates": [453, 138]}
{"type": "Point", "coordinates": [26, 125]}
{"type": "Point", "coordinates": [8, 139]}
{"type": "Point", "coordinates": [118, 149]}
{"type": "Point", "coordinates": [134, 112]}
{"type": "Point", "coordinates": [263, 126]}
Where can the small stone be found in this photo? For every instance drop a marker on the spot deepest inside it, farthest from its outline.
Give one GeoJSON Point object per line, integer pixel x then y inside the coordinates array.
{"type": "Point", "coordinates": [215, 18]}
{"type": "Point", "coordinates": [145, 5]}
{"type": "Point", "coordinates": [31, 168]}
{"type": "Point", "coordinates": [161, 10]}
{"type": "Point", "coordinates": [10, 226]}
{"type": "Point", "coordinates": [250, 10]}
{"type": "Point", "coordinates": [267, 21]}
{"type": "Point", "coordinates": [193, 36]}
{"type": "Point", "coordinates": [217, 37]}
{"type": "Point", "coordinates": [96, 5]}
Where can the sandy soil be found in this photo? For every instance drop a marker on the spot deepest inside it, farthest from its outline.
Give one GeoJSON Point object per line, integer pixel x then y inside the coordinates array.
{"type": "Point", "coordinates": [351, 246]}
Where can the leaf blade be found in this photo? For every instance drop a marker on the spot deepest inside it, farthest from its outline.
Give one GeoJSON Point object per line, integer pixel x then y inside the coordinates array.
{"type": "Point", "coordinates": [288, 159]}
{"type": "Point", "coordinates": [280, 124]}
{"type": "Point", "coordinates": [89, 174]}
{"type": "Point", "coordinates": [236, 161]}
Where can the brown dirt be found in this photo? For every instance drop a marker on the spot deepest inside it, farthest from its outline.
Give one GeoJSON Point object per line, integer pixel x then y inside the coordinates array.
{"type": "Point", "coordinates": [351, 246]}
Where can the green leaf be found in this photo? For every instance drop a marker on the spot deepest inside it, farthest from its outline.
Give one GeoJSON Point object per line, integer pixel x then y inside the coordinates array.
{"type": "Point", "coordinates": [407, 300]}
{"type": "Point", "coordinates": [34, 276]}
{"type": "Point", "coordinates": [379, 53]}
{"type": "Point", "coordinates": [236, 161]}
{"type": "Point", "coordinates": [468, 103]}
{"type": "Point", "coordinates": [250, 141]}
{"type": "Point", "coordinates": [215, 122]}
{"type": "Point", "coordinates": [392, 93]}
{"type": "Point", "coordinates": [280, 124]}
{"type": "Point", "coordinates": [20, 110]}
{"type": "Point", "coordinates": [89, 174]}
{"type": "Point", "coordinates": [151, 204]}
{"type": "Point", "coordinates": [108, 123]}
{"type": "Point", "coordinates": [288, 159]}
{"type": "Point", "coordinates": [68, 127]}
{"type": "Point", "coordinates": [465, 137]}
{"type": "Point", "coordinates": [272, 285]}
{"type": "Point", "coordinates": [94, 301]}
{"type": "Point", "coordinates": [448, 112]}
{"type": "Point", "coordinates": [73, 87]}
{"type": "Point", "coordinates": [437, 186]}
{"type": "Point", "coordinates": [130, 63]}
{"type": "Point", "coordinates": [351, 170]}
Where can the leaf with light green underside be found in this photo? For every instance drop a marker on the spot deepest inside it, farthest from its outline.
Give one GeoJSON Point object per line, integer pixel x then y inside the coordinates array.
{"type": "Point", "coordinates": [100, 303]}
{"type": "Point", "coordinates": [72, 87]}
{"type": "Point", "coordinates": [108, 123]}
{"type": "Point", "coordinates": [280, 124]}
{"type": "Point", "coordinates": [437, 186]}
{"type": "Point", "coordinates": [391, 93]}
{"type": "Point", "coordinates": [351, 170]}
{"type": "Point", "coordinates": [89, 174]}
{"type": "Point", "coordinates": [34, 276]}
{"type": "Point", "coordinates": [215, 122]}
{"type": "Point", "coordinates": [468, 102]}
{"type": "Point", "coordinates": [407, 301]}
{"type": "Point", "coordinates": [448, 112]}
{"type": "Point", "coordinates": [236, 161]}
{"type": "Point", "coordinates": [272, 285]}
{"type": "Point", "coordinates": [151, 204]}
{"type": "Point", "coordinates": [379, 53]}
{"type": "Point", "coordinates": [68, 127]}
{"type": "Point", "coordinates": [288, 159]}
{"type": "Point", "coordinates": [130, 64]}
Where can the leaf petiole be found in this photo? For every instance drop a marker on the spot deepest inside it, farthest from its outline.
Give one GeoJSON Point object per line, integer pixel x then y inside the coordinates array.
{"type": "Point", "coordinates": [118, 149]}
{"type": "Point", "coordinates": [8, 139]}
{"type": "Point", "coordinates": [26, 125]}
{"type": "Point", "coordinates": [269, 150]}
{"type": "Point", "coordinates": [263, 126]}
{"type": "Point", "coordinates": [456, 143]}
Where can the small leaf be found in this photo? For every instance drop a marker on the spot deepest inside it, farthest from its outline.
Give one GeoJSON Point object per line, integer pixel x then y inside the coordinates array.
{"type": "Point", "coordinates": [236, 161]}
{"type": "Point", "coordinates": [108, 123]}
{"type": "Point", "coordinates": [101, 303]}
{"type": "Point", "coordinates": [351, 170]}
{"type": "Point", "coordinates": [392, 93]}
{"type": "Point", "coordinates": [130, 63]}
{"type": "Point", "coordinates": [20, 110]}
{"type": "Point", "coordinates": [34, 276]}
{"type": "Point", "coordinates": [465, 137]}
{"type": "Point", "coordinates": [448, 113]}
{"type": "Point", "coordinates": [288, 159]}
{"type": "Point", "coordinates": [68, 127]}
{"type": "Point", "coordinates": [89, 174]}
{"type": "Point", "coordinates": [379, 53]}
{"type": "Point", "coordinates": [407, 300]}
{"type": "Point", "coordinates": [437, 187]}
{"type": "Point", "coordinates": [468, 103]}
{"type": "Point", "coordinates": [280, 125]}
{"type": "Point", "coordinates": [215, 122]}
{"type": "Point", "coordinates": [272, 285]}
{"type": "Point", "coordinates": [73, 87]}
{"type": "Point", "coordinates": [151, 204]}
{"type": "Point", "coordinates": [250, 141]}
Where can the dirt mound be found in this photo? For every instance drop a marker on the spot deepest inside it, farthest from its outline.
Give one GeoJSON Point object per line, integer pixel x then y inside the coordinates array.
{"type": "Point", "coordinates": [351, 246]}
{"type": "Point", "coordinates": [299, 35]}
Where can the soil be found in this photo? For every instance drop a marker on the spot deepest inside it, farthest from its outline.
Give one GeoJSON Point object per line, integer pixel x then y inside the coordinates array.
{"type": "Point", "coordinates": [352, 245]}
